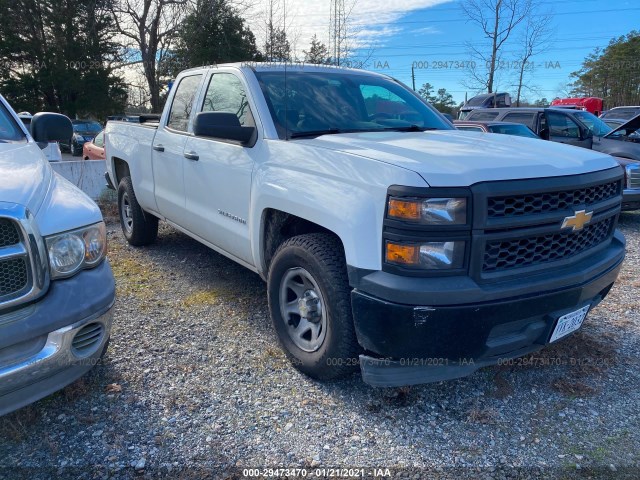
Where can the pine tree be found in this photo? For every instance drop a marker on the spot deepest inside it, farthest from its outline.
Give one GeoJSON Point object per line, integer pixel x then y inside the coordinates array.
{"type": "Point", "coordinates": [318, 52]}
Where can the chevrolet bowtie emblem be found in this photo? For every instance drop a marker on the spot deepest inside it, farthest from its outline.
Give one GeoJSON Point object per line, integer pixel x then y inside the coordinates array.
{"type": "Point", "coordinates": [577, 221]}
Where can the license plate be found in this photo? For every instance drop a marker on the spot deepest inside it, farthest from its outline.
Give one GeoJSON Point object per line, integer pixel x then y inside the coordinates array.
{"type": "Point", "coordinates": [569, 323]}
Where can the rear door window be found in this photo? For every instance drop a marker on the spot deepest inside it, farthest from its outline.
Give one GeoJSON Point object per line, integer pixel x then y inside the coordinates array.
{"type": "Point", "coordinates": [482, 116]}
{"type": "Point", "coordinates": [525, 118]}
{"type": "Point", "coordinates": [183, 103]}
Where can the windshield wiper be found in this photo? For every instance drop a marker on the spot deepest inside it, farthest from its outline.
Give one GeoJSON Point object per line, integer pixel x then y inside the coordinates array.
{"type": "Point", "coordinates": [409, 128]}
{"type": "Point", "coordinates": [317, 133]}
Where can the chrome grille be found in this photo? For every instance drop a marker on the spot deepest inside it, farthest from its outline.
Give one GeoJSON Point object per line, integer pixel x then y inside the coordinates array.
{"type": "Point", "coordinates": [23, 267]}
{"type": "Point", "coordinates": [508, 254]}
{"type": "Point", "coordinates": [633, 176]}
{"type": "Point", "coordinates": [537, 203]}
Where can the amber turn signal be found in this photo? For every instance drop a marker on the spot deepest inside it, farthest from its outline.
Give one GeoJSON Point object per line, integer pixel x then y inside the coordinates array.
{"type": "Point", "coordinates": [402, 254]}
{"type": "Point", "coordinates": [405, 209]}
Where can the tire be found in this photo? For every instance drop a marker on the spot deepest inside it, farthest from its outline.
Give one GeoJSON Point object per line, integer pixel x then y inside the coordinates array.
{"type": "Point", "coordinates": [323, 343]}
{"type": "Point", "coordinates": [139, 228]}
{"type": "Point", "coordinates": [74, 151]}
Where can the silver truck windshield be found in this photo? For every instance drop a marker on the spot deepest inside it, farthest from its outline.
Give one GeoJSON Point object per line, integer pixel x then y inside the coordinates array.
{"type": "Point", "coordinates": [315, 103]}
{"type": "Point", "coordinates": [9, 130]}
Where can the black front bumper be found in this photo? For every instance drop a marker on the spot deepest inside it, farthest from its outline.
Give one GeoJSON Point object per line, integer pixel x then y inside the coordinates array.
{"type": "Point", "coordinates": [420, 330]}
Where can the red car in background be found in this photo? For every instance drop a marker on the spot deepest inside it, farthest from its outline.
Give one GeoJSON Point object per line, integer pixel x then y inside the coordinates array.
{"type": "Point", "coordinates": [94, 150]}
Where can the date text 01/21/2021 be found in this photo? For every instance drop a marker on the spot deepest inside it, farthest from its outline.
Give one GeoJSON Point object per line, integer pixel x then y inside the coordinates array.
{"type": "Point", "coordinates": [316, 473]}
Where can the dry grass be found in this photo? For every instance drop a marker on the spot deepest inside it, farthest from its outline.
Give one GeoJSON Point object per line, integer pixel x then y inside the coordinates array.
{"type": "Point", "coordinates": [485, 416]}
{"type": "Point", "coordinates": [16, 426]}
{"type": "Point", "coordinates": [201, 298]}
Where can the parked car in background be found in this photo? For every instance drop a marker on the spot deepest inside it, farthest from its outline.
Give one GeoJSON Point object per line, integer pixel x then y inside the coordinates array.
{"type": "Point", "coordinates": [83, 131]}
{"type": "Point", "coordinates": [621, 113]}
{"type": "Point", "coordinates": [506, 128]}
{"type": "Point", "coordinates": [486, 100]}
{"type": "Point", "coordinates": [56, 286]}
{"type": "Point", "coordinates": [94, 150]}
{"type": "Point", "coordinates": [588, 104]}
{"type": "Point", "coordinates": [51, 150]}
{"type": "Point", "coordinates": [581, 129]}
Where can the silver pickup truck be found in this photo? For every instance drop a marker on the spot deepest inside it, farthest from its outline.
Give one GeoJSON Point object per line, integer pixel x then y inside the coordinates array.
{"type": "Point", "coordinates": [56, 286]}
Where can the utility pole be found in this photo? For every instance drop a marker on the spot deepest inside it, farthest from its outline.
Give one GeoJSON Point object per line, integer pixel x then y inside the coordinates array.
{"type": "Point", "coordinates": [413, 78]}
{"type": "Point", "coordinates": [337, 30]}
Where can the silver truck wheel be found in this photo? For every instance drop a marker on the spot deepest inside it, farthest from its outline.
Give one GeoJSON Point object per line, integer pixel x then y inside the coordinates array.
{"type": "Point", "coordinates": [302, 309]}
{"type": "Point", "coordinates": [126, 214]}
{"type": "Point", "coordinates": [310, 306]}
{"type": "Point", "coordinates": [139, 227]}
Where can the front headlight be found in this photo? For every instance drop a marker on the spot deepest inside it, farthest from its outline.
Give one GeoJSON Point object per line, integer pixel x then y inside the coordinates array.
{"type": "Point", "coordinates": [70, 252]}
{"type": "Point", "coordinates": [426, 255]}
{"type": "Point", "coordinates": [429, 211]}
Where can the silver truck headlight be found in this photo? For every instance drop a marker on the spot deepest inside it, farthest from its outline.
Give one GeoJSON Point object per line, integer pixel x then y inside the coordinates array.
{"type": "Point", "coordinates": [428, 211]}
{"type": "Point", "coordinates": [70, 252]}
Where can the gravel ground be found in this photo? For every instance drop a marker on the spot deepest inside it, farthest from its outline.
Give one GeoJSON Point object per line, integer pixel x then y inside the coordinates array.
{"type": "Point", "coordinates": [195, 386]}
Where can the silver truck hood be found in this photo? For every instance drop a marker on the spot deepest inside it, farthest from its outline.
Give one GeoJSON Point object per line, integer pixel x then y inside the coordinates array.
{"type": "Point", "coordinates": [454, 158]}
{"type": "Point", "coordinates": [26, 176]}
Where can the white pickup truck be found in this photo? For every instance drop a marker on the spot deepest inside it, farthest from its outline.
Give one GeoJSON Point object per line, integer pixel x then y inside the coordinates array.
{"type": "Point", "coordinates": [56, 286]}
{"type": "Point", "coordinates": [388, 240]}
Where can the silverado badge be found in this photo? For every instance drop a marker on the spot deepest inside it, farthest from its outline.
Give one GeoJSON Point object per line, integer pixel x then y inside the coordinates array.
{"type": "Point", "coordinates": [577, 221]}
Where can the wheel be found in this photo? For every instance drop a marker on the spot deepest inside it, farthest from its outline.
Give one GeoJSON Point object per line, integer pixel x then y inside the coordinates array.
{"type": "Point", "coordinates": [139, 228]}
{"type": "Point", "coordinates": [74, 150]}
{"type": "Point", "coordinates": [310, 306]}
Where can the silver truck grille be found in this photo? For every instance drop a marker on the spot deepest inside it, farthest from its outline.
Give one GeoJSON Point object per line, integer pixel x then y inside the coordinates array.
{"type": "Point", "coordinates": [23, 268]}
{"type": "Point", "coordinates": [633, 176]}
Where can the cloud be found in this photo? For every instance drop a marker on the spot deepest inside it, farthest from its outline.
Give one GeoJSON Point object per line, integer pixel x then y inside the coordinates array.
{"type": "Point", "coordinates": [426, 31]}
{"type": "Point", "coordinates": [372, 21]}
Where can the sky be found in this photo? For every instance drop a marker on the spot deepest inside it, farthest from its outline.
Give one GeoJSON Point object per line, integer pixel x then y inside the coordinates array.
{"type": "Point", "coordinates": [432, 35]}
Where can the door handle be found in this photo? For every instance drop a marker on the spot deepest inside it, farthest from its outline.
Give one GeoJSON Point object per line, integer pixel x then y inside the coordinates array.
{"type": "Point", "coordinates": [158, 148]}
{"type": "Point", "coordinates": [191, 155]}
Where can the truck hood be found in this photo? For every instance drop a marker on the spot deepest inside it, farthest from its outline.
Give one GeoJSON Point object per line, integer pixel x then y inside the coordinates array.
{"type": "Point", "coordinates": [447, 158]}
{"type": "Point", "coordinates": [629, 127]}
{"type": "Point", "coordinates": [25, 175]}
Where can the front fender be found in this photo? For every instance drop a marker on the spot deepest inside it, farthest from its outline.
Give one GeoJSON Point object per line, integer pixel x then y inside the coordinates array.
{"type": "Point", "coordinates": [344, 193]}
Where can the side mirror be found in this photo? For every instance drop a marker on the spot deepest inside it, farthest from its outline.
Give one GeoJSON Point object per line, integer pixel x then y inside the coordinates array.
{"type": "Point", "coordinates": [223, 125]}
{"type": "Point", "coordinates": [51, 127]}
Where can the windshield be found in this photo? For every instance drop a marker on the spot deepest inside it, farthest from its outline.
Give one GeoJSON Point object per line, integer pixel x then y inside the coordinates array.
{"type": "Point", "coordinates": [518, 130]}
{"type": "Point", "coordinates": [9, 130]}
{"type": "Point", "coordinates": [87, 127]}
{"type": "Point", "coordinates": [314, 103]}
{"type": "Point", "coordinates": [598, 127]}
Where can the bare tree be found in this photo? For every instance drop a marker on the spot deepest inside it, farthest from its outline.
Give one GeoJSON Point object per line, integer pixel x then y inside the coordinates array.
{"type": "Point", "coordinates": [279, 38]}
{"type": "Point", "coordinates": [150, 26]}
{"type": "Point", "coordinates": [497, 19]}
{"type": "Point", "coordinates": [535, 38]}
